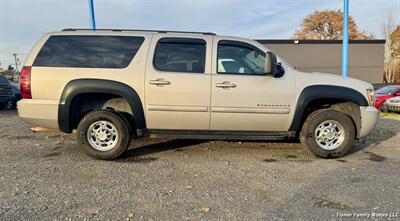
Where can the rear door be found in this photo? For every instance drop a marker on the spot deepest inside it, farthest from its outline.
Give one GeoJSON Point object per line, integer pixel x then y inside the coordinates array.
{"type": "Point", "coordinates": [177, 85]}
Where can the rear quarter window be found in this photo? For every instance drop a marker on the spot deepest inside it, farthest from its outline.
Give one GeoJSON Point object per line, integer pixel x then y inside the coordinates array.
{"type": "Point", "coordinates": [88, 51]}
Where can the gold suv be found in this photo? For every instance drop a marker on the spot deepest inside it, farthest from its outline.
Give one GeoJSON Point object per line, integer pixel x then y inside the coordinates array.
{"type": "Point", "coordinates": [112, 85]}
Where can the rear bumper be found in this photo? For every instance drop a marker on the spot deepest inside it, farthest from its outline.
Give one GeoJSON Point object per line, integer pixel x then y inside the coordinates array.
{"type": "Point", "coordinates": [43, 113]}
{"type": "Point", "coordinates": [369, 119]}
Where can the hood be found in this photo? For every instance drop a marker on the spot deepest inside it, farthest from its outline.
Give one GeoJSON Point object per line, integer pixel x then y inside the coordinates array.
{"type": "Point", "coordinates": [382, 96]}
{"type": "Point", "coordinates": [304, 80]}
{"type": "Point", "coordinates": [319, 78]}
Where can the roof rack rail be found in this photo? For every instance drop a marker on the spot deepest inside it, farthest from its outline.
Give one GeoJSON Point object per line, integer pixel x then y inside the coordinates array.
{"type": "Point", "coordinates": [139, 30]}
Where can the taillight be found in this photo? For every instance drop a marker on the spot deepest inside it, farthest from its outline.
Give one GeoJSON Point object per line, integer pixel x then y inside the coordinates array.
{"type": "Point", "coordinates": [25, 82]}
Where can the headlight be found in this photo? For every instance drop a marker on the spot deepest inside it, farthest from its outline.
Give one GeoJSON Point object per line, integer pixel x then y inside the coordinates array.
{"type": "Point", "coordinates": [371, 97]}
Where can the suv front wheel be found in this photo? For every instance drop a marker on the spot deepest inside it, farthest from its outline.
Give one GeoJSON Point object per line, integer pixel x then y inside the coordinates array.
{"type": "Point", "coordinates": [104, 134]}
{"type": "Point", "coordinates": [328, 133]}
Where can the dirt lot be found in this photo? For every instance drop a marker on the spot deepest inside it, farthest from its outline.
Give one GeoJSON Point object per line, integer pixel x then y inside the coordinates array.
{"type": "Point", "coordinates": [45, 176]}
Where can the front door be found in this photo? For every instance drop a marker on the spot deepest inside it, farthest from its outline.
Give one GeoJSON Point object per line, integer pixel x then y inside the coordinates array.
{"type": "Point", "coordinates": [243, 97]}
{"type": "Point", "coordinates": [178, 81]}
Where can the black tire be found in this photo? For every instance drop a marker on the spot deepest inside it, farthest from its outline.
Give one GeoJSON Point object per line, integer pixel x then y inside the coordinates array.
{"type": "Point", "coordinates": [307, 134]}
{"type": "Point", "coordinates": [383, 108]}
{"type": "Point", "coordinates": [130, 121]}
{"type": "Point", "coordinates": [121, 125]}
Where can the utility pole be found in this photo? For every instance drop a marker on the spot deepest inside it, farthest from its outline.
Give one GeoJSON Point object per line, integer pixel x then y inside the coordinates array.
{"type": "Point", "coordinates": [91, 13]}
{"type": "Point", "coordinates": [16, 61]}
{"type": "Point", "coordinates": [345, 47]}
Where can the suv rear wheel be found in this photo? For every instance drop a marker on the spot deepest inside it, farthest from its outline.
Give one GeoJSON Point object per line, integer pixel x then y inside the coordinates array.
{"type": "Point", "coordinates": [104, 134]}
{"type": "Point", "coordinates": [328, 133]}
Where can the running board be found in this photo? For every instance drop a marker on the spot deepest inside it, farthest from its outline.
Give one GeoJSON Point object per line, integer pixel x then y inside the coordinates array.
{"type": "Point", "coordinates": [218, 135]}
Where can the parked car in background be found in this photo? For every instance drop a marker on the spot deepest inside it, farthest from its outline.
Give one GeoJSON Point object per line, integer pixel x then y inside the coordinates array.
{"type": "Point", "coordinates": [17, 95]}
{"type": "Point", "coordinates": [9, 94]}
{"type": "Point", "coordinates": [393, 104]}
{"type": "Point", "coordinates": [382, 94]}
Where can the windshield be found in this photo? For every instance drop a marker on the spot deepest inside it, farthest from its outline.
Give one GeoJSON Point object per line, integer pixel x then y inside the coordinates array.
{"type": "Point", "coordinates": [385, 90]}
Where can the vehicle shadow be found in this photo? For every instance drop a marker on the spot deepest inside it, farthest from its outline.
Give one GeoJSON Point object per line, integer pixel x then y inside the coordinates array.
{"type": "Point", "coordinates": [385, 130]}
{"type": "Point", "coordinates": [160, 147]}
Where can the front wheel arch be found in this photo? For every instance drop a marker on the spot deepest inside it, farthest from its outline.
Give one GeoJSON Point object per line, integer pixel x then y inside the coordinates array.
{"type": "Point", "coordinates": [327, 96]}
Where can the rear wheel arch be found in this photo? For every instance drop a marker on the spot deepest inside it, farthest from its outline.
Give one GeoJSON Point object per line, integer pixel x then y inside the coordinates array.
{"type": "Point", "coordinates": [104, 90]}
{"type": "Point", "coordinates": [339, 98]}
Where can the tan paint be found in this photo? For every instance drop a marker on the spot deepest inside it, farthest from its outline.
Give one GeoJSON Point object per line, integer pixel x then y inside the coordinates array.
{"type": "Point", "coordinates": [242, 105]}
{"type": "Point", "coordinates": [189, 101]}
{"type": "Point", "coordinates": [39, 112]}
{"type": "Point", "coordinates": [181, 104]}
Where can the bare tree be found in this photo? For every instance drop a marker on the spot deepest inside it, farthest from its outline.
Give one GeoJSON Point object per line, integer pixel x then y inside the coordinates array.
{"type": "Point", "coordinates": [392, 61]}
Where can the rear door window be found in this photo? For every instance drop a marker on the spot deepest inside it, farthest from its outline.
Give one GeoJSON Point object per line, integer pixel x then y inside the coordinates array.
{"type": "Point", "coordinates": [88, 51]}
{"type": "Point", "coordinates": [180, 55]}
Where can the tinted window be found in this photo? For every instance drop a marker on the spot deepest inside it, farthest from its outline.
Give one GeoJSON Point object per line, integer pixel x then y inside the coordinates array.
{"type": "Point", "coordinates": [180, 55]}
{"type": "Point", "coordinates": [240, 58]}
{"type": "Point", "coordinates": [88, 51]}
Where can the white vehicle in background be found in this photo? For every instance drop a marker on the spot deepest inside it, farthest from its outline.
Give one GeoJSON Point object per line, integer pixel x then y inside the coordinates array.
{"type": "Point", "coordinates": [393, 104]}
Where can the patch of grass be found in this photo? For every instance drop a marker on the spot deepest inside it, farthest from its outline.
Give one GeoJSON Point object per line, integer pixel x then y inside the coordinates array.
{"type": "Point", "coordinates": [389, 114]}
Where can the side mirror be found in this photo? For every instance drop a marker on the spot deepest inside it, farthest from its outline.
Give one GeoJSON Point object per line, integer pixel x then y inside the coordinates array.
{"type": "Point", "coordinates": [271, 64]}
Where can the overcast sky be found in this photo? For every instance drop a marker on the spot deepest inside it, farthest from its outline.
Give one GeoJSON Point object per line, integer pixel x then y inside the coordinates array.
{"type": "Point", "coordinates": [22, 22]}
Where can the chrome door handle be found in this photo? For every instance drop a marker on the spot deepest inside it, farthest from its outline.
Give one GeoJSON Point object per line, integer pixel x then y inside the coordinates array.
{"type": "Point", "coordinates": [225, 84]}
{"type": "Point", "coordinates": [159, 82]}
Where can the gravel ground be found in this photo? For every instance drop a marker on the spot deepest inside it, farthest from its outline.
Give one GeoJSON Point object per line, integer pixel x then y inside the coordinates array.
{"type": "Point", "coordinates": [45, 176]}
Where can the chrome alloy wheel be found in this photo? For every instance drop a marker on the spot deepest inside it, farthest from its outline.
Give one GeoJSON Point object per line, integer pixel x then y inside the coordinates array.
{"type": "Point", "coordinates": [102, 135]}
{"type": "Point", "coordinates": [329, 135]}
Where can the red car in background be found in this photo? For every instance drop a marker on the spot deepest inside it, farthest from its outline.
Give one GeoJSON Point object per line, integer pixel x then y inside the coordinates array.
{"type": "Point", "coordinates": [382, 94]}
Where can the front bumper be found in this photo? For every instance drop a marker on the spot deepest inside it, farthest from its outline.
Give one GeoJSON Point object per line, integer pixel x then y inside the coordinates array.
{"type": "Point", "coordinates": [395, 107]}
{"type": "Point", "coordinates": [369, 119]}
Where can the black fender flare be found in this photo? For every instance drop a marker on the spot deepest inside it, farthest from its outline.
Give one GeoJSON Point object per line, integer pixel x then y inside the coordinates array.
{"type": "Point", "coordinates": [81, 86]}
{"type": "Point", "coordinates": [315, 92]}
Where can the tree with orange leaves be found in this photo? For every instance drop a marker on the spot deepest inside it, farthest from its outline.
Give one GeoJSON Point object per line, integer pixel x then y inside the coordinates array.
{"type": "Point", "coordinates": [328, 25]}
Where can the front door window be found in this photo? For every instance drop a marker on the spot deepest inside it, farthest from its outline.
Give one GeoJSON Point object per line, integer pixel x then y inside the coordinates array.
{"type": "Point", "coordinates": [240, 58]}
